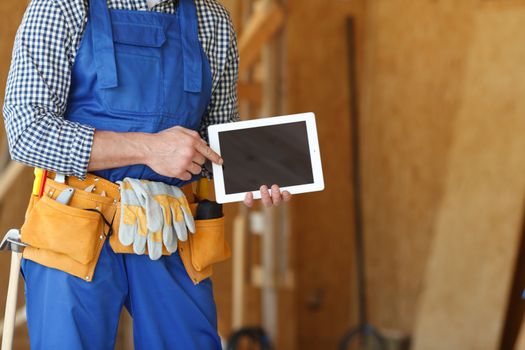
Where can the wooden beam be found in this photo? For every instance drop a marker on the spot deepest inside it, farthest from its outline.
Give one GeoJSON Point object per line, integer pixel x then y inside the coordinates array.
{"type": "Point", "coordinates": [238, 263]}
{"type": "Point", "coordinates": [250, 92]}
{"type": "Point", "coordinates": [9, 177]}
{"type": "Point", "coordinates": [478, 228]}
{"type": "Point", "coordinates": [264, 23]}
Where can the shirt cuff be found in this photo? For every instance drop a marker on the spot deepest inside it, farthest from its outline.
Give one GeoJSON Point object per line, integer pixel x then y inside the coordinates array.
{"type": "Point", "coordinates": [81, 150]}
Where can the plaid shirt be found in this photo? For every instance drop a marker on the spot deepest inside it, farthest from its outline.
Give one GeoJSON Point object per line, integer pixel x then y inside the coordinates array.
{"type": "Point", "coordinates": [40, 76]}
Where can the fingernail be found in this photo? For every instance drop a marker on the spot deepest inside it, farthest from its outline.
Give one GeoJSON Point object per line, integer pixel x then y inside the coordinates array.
{"type": "Point", "coordinates": [221, 161]}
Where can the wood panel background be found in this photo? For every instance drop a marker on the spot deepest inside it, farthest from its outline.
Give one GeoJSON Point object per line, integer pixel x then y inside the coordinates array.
{"type": "Point", "coordinates": [479, 226]}
{"type": "Point", "coordinates": [413, 82]}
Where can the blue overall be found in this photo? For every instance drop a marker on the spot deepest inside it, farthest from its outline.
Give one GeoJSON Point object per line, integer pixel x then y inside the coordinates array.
{"type": "Point", "coordinates": [134, 71]}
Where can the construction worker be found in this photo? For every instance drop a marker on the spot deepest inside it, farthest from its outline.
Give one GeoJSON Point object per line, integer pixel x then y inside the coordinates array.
{"type": "Point", "coordinates": [107, 93]}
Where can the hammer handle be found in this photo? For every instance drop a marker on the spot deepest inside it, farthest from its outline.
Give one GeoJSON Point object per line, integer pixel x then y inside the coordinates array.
{"type": "Point", "coordinates": [10, 305]}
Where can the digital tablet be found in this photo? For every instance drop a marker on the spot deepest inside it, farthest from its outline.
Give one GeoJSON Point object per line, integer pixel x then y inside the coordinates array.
{"type": "Point", "coordinates": [279, 150]}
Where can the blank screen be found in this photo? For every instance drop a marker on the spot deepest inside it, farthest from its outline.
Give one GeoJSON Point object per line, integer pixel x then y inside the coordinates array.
{"type": "Point", "coordinates": [267, 155]}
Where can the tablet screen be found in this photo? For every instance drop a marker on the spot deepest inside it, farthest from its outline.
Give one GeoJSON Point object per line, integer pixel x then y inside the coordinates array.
{"type": "Point", "coordinates": [266, 155]}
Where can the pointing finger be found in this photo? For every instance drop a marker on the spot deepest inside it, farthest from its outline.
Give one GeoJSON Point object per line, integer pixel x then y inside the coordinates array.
{"type": "Point", "coordinates": [198, 159]}
{"type": "Point", "coordinates": [209, 153]}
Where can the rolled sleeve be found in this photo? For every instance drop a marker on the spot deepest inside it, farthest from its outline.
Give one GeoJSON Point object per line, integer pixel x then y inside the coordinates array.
{"type": "Point", "coordinates": [36, 95]}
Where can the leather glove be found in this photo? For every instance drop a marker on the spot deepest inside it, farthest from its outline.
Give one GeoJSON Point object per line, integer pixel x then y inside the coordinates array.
{"type": "Point", "coordinates": [166, 205]}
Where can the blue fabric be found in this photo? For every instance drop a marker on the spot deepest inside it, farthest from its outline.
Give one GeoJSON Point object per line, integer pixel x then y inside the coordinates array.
{"type": "Point", "coordinates": [134, 71]}
{"type": "Point", "coordinates": [103, 45]}
{"type": "Point", "coordinates": [163, 77]}
{"type": "Point", "coordinates": [190, 45]}
{"type": "Point", "coordinates": [168, 310]}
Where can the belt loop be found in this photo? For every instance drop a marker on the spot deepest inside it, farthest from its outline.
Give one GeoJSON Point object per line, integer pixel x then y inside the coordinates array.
{"type": "Point", "coordinates": [103, 47]}
{"type": "Point", "coordinates": [191, 52]}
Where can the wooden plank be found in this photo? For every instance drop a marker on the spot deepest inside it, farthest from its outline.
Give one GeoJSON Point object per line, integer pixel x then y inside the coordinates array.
{"type": "Point", "coordinates": [238, 268]}
{"type": "Point", "coordinates": [264, 23]}
{"type": "Point", "coordinates": [478, 228]}
{"type": "Point", "coordinates": [250, 92]}
{"type": "Point", "coordinates": [9, 178]}
{"type": "Point", "coordinates": [515, 309]}
{"type": "Point", "coordinates": [412, 73]}
{"type": "Point", "coordinates": [520, 344]}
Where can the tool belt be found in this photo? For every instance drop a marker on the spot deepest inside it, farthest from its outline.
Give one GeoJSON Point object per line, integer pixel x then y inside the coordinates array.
{"type": "Point", "coordinates": [70, 237]}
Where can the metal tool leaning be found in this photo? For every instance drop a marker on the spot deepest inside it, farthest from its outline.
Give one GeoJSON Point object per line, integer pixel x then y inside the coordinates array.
{"type": "Point", "coordinates": [153, 213]}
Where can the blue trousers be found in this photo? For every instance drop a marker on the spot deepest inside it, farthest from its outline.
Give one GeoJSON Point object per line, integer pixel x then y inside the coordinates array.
{"type": "Point", "coordinates": [168, 310]}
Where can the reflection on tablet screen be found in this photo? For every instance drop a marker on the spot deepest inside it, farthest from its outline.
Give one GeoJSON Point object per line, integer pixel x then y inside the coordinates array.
{"type": "Point", "coordinates": [275, 154]}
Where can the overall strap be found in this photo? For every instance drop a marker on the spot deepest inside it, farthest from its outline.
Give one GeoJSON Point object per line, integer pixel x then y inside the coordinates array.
{"type": "Point", "coordinates": [103, 47]}
{"type": "Point", "coordinates": [190, 46]}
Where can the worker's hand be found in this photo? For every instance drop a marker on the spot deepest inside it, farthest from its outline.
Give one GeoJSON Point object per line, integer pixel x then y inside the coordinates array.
{"type": "Point", "coordinates": [269, 198]}
{"type": "Point", "coordinates": [179, 152]}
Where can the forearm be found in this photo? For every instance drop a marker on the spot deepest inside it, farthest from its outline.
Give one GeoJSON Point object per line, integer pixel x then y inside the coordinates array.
{"type": "Point", "coordinates": [39, 138]}
{"type": "Point", "coordinates": [114, 149]}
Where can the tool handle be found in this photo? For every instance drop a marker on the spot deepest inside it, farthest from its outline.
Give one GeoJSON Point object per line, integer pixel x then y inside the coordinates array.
{"type": "Point", "coordinates": [38, 181]}
{"type": "Point", "coordinates": [42, 184]}
{"type": "Point", "coordinates": [208, 210]}
{"type": "Point", "coordinates": [10, 305]}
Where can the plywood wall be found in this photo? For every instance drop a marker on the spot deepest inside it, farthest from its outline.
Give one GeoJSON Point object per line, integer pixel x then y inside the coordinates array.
{"type": "Point", "coordinates": [479, 224]}
{"type": "Point", "coordinates": [413, 79]}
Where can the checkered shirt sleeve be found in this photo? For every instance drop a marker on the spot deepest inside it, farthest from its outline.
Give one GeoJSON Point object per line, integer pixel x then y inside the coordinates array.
{"type": "Point", "coordinates": [223, 106]}
{"type": "Point", "coordinates": [36, 95]}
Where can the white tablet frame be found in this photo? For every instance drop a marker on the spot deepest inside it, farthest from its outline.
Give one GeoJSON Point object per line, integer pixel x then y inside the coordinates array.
{"type": "Point", "coordinates": [315, 154]}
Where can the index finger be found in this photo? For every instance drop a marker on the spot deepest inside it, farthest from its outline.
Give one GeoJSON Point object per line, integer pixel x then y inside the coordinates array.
{"type": "Point", "coordinates": [206, 151]}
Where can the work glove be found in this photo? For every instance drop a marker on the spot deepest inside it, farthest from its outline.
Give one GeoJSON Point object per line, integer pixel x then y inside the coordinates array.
{"type": "Point", "coordinates": [137, 220]}
{"type": "Point", "coordinates": [166, 212]}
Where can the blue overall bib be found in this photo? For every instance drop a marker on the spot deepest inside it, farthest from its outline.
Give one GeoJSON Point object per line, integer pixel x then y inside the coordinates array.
{"type": "Point", "coordinates": [134, 71]}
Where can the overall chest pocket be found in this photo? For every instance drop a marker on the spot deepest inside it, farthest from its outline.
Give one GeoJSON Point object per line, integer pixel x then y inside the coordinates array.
{"type": "Point", "coordinates": [138, 58]}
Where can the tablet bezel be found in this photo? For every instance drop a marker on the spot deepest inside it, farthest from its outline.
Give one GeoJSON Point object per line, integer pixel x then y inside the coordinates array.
{"type": "Point", "coordinates": [315, 154]}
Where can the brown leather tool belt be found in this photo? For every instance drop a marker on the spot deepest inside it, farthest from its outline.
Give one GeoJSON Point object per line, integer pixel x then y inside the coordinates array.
{"type": "Point", "coordinates": [70, 237]}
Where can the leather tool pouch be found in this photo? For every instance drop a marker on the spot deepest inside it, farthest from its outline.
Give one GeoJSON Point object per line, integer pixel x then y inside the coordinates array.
{"type": "Point", "coordinates": [207, 246]}
{"type": "Point", "coordinates": [67, 237]}
{"type": "Point", "coordinates": [70, 237]}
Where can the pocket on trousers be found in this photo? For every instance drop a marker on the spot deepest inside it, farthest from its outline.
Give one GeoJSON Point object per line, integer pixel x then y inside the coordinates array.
{"type": "Point", "coordinates": [63, 229]}
{"type": "Point", "coordinates": [208, 245]}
